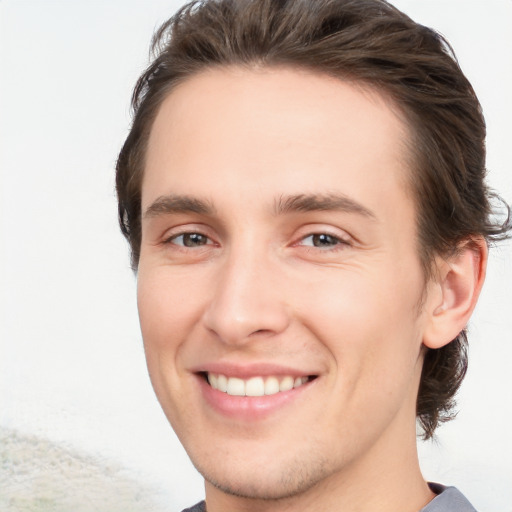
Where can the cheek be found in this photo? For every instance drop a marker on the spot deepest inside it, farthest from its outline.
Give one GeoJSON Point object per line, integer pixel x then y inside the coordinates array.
{"type": "Point", "coordinates": [168, 310]}
{"type": "Point", "coordinates": [165, 303]}
{"type": "Point", "coordinates": [368, 322]}
{"type": "Point", "coordinates": [374, 342]}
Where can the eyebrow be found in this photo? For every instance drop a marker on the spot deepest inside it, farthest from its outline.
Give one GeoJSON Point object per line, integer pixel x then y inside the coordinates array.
{"type": "Point", "coordinates": [169, 204]}
{"type": "Point", "coordinates": [178, 204]}
{"type": "Point", "coordinates": [319, 202]}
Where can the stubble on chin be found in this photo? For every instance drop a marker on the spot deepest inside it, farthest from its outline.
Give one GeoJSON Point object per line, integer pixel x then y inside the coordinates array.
{"type": "Point", "coordinates": [289, 479]}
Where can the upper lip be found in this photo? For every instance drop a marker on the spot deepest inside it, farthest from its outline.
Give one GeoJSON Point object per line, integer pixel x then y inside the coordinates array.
{"type": "Point", "coordinates": [246, 371]}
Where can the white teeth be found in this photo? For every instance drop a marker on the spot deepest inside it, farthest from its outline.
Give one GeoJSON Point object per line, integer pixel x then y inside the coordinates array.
{"type": "Point", "coordinates": [286, 384]}
{"type": "Point", "coordinates": [222, 383]}
{"type": "Point", "coordinates": [212, 379]}
{"type": "Point", "coordinates": [255, 386]}
{"type": "Point", "coordinates": [271, 386]}
{"type": "Point", "coordinates": [236, 387]}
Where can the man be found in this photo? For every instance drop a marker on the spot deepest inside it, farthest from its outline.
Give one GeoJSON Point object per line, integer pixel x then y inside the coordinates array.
{"type": "Point", "coordinates": [303, 192]}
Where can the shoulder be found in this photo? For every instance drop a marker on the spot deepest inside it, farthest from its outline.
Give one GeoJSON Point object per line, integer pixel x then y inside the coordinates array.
{"type": "Point", "coordinates": [448, 499]}
{"type": "Point", "coordinates": [198, 507]}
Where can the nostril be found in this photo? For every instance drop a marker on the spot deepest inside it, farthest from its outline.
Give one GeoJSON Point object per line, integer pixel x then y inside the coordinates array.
{"type": "Point", "coordinates": [261, 331]}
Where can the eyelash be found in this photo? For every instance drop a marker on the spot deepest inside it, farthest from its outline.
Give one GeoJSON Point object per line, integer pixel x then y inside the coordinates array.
{"type": "Point", "coordinates": [334, 245]}
{"type": "Point", "coordinates": [328, 247]}
{"type": "Point", "coordinates": [172, 239]}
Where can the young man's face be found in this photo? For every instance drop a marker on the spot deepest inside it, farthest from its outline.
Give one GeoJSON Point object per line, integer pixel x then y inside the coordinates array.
{"type": "Point", "coordinates": [279, 249]}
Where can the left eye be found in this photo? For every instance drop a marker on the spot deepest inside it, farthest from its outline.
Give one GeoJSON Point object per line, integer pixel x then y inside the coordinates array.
{"type": "Point", "coordinates": [190, 239]}
{"type": "Point", "coordinates": [322, 240]}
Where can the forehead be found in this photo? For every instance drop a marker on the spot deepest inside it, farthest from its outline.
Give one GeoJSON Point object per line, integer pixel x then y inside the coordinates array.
{"type": "Point", "coordinates": [251, 126]}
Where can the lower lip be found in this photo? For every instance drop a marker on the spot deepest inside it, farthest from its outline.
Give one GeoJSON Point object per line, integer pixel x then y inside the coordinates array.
{"type": "Point", "coordinates": [250, 408]}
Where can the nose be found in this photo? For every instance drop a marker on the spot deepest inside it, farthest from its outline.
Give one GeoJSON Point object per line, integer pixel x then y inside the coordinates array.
{"type": "Point", "coordinates": [247, 300]}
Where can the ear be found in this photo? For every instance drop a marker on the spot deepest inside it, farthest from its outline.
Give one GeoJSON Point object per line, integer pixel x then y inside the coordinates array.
{"type": "Point", "coordinates": [453, 294]}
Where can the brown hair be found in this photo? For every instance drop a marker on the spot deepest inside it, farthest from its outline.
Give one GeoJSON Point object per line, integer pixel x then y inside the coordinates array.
{"type": "Point", "coordinates": [368, 41]}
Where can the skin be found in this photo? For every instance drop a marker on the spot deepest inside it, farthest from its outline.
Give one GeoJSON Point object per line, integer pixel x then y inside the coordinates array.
{"type": "Point", "coordinates": [259, 286]}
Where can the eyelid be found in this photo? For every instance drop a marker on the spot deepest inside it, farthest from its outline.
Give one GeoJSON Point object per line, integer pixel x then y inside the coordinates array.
{"type": "Point", "coordinates": [172, 238]}
{"type": "Point", "coordinates": [337, 239]}
{"type": "Point", "coordinates": [184, 229]}
{"type": "Point", "coordinates": [321, 229]}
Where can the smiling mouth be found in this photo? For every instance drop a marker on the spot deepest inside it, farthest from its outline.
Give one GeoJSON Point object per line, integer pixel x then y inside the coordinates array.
{"type": "Point", "coordinates": [255, 386]}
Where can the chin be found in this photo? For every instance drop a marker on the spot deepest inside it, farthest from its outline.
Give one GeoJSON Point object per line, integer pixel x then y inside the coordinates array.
{"type": "Point", "coordinates": [275, 480]}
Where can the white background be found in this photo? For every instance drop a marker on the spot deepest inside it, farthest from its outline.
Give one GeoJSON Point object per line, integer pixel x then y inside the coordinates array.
{"type": "Point", "coordinates": [71, 360]}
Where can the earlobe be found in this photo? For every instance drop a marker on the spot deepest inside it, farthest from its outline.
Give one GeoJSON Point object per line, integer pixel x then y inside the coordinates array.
{"type": "Point", "coordinates": [454, 292]}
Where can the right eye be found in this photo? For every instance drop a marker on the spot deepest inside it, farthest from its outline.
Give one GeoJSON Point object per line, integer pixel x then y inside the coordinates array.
{"type": "Point", "coordinates": [189, 240]}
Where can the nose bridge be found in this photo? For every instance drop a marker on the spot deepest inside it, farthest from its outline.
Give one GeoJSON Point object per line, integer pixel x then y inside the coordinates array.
{"type": "Point", "coordinates": [245, 299]}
